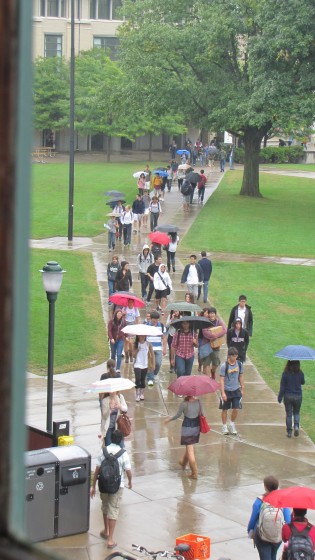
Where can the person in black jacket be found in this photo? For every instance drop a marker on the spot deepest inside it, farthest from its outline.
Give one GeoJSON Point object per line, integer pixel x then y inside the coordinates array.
{"type": "Point", "coordinates": [238, 338]}
{"type": "Point", "coordinates": [138, 212]}
{"type": "Point", "coordinates": [152, 269]}
{"type": "Point", "coordinates": [123, 278]}
{"type": "Point", "coordinates": [243, 311]}
{"type": "Point", "coordinates": [112, 269]}
{"type": "Point", "coordinates": [206, 266]}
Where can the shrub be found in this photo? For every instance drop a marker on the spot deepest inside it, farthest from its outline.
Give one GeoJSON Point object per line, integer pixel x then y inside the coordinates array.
{"type": "Point", "coordinates": [274, 154]}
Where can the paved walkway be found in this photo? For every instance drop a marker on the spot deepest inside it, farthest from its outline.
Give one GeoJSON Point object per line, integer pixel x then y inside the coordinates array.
{"type": "Point", "coordinates": [164, 503]}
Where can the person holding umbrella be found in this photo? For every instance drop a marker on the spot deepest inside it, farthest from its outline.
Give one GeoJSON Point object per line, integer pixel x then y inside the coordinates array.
{"type": "Point", "coordinates": [171, 250]}
{"type": "Point", "coordinates": [144, 360]}
{"type": "Point", "coordinates": [141, 184]}
{"type": "Point", "coordinates": [132, 316]}
{"type": "Point", "coordinates": [118, 210]}
{"type": "Point", "coordinates": [191, 408]}
{"type": "Point", "coordinates": [182, 350]}
{"type": "Point", "coordinates": [291, 393]}
{"type": "Point", "coordinates": [116, 337]}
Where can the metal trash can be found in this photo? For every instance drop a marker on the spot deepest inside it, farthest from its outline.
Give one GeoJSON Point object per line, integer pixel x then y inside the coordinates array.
{"type": "Point", "coordinates": [57, 489]}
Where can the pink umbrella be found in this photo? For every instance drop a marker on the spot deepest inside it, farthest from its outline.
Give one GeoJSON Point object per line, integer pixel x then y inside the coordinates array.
{"type": "Point", "coordinates": [159, 237]}
{"type": "Point", "coordinates": [122, 298]}
{"type": "Point", "coordinates": [194, 385]}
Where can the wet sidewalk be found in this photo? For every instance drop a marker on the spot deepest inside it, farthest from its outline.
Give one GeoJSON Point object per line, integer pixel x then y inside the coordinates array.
{"type": "Point", "coordinates": [164, 503]}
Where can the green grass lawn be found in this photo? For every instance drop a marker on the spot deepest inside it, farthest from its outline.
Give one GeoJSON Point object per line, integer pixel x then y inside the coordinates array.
{"type": "Point", "coordinates": [289, 166]}
{"type": "Point", "coordinates": [283, 304]}
{"type": "Point", "coordinates": [281, 223]}
{"type": "Point", "coordinates": [50, 196]}
{"type": "Point", "coordinates": [80, 334]}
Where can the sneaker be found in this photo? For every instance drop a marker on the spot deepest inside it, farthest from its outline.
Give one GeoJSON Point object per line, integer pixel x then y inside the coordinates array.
{"type": "Point", "coordinates": [225, 430]}
{"type": "Point", "coordinates": [171, 370]}
{"type": "Point", "coordinates": [117, 370]}
{"type": "Point", "coordinates": [296, 431]}
{"type": "Point", "coordinates": [150, 383]}
{"type": "Point", "coordinates": [180, 396]}
{"type": "Point", "coordinates": [156, 379]}
{"type": "Point", "coordinates": [232, 428]}
{"type": "Point", "coordinates": [289, 434]}
{"type": "Point", "coordinates": [141, 397]}
{"type": "Point", "coordinates": [137, 398]}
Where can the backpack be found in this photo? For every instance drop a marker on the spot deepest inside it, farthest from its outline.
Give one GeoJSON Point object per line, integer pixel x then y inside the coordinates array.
{"type": "Point", "coordinates": [186, 188]}
{"type": "Point", "coordinates": [109, 477]}
{"type": "Point", "coordinates": [227, 366]}
{"type": "Point", "coordinates": [270, 523]}
{"type": "Point", "coordinates": [300, 546]}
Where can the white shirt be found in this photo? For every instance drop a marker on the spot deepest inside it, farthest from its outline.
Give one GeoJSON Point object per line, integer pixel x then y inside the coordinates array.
{"type": "Point", "coordinates": [123, 460]}
{"type": "Point", "coordinates": [127, 218]}
{"type": "Point", "coordinates": [192, 277]}
{"type": "Point", "coordinates": [241, 313]}
{"type": "Point", "coordinates": [142, 356]}
{"type": "Point", "coordinates": [131, 314]}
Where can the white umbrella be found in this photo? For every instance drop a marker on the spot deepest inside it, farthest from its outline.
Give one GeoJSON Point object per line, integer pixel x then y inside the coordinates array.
{"type": "Point", "coordinates": [184, 166]}
{"type": "Point", "coordinates": [142, 330]}
{"type": "Point", "coordinates": [111, 385]}
{"type": "Point", "coordinates": [137, 174]}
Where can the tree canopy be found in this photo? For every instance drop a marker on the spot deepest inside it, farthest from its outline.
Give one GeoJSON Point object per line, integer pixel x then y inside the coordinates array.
{"type": "Point", "coordinates": [51, 93]}
{"type": "Point", "coordinates": [245, 66]}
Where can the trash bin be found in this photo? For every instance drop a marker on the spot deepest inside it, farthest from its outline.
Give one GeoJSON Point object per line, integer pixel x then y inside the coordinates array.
{"type": "Point", "coordinates": [57, 492]}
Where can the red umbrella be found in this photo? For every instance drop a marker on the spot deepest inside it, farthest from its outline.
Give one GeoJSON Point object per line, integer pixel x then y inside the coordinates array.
{"type": "Point", "coordinates": [122, 298]}
{"type": "Point", "coordinates": [159, 237]}
{"type": "Point", "coordinates": [194, 385]}
{"type": "Point", "coordinates": [292, 497]}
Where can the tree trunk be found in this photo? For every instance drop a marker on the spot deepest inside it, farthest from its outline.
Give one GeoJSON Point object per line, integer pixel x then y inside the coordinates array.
{"type": "Point", "coordinates": [252, 141]}
{"type": "Point", "coordinates": [265, 140]}
{"type": "Point", "coordinates": [150, 146]}
{"type": "Point", "coordinates": [109, 144]}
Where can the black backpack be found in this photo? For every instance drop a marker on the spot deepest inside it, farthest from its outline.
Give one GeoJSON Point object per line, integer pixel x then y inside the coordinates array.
{"type": "Point", "coordinates": [300, 546]}
{"type": "Point", "coordinates": [109, 477]}
{"type": "Point", "coordinates": [186, 188]}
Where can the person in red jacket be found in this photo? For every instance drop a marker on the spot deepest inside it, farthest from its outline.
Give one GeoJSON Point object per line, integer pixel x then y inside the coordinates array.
{"type": "Point", "coordinates": [300, 522]}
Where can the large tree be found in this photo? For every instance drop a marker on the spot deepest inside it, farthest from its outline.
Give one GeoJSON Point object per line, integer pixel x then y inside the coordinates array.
{"type": "Point", "coordinates": [240, 65]}
{"type": "Point", "coordinates": [51, 93]}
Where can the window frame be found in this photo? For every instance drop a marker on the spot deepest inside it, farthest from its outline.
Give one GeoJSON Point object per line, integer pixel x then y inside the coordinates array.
{"type": "Point", "coordinates": [58, 35]}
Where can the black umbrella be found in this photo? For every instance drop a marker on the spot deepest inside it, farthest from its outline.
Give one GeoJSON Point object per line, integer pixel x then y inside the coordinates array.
{"type": "Point", "coordinates": [195, 322]}
{"type": "Point", "coordinates": [114, 194]}
{"type": "Point", "coordinates": [161, 168]}
{"type": "Point", "coordinates": [167, 228]}
{"type": "Point", "coordinates": [114, 201]}
{"type": "Point", "coordinates": [193, 177]}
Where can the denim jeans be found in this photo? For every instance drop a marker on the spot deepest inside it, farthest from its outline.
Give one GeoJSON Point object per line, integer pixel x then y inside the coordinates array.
{"type": "Point", "coordinates": [158, 362]}
{"type": "Point", "coordinates": [144, 278]}
{"type": "Point", "coordinates": [183, 366]}
{"type": "Point", "coordinates": [150, 291]}
{"type": "Point", "coordinates": [201, 193]}
{"type": "Point", "coordinates": [111, 287]}
{"type": "Point", "coordinates": [292, 405]}
{"type": "Point", "coordinates": [154, 216]}
{"type": "Point", "coordinates": [266, 550]}
{"type": "Point", "coordinates": [170, 260]}
{"type": "Point", "coordinates": [205, 291]}
{"type": "Point", "coordinates": [127, 233]}
{"type": "Point", "coordinates": [116, 351]}
{"type": "Point", "coordinates": [111, 240]}
{"type": "Point", "coordinates": [222, 164]}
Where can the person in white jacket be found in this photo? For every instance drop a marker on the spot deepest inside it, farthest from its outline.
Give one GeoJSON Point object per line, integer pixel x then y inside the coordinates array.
{"type": "Point", "coordinates": [112, 404]}
{"type": "Point", "coordinates": [163, 287]}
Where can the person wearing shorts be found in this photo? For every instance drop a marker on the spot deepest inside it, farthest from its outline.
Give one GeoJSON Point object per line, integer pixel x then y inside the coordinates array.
{"type": "Point", "coordinates": [232, 390]}
{"type": "Point", "coordinates": [111, 502]}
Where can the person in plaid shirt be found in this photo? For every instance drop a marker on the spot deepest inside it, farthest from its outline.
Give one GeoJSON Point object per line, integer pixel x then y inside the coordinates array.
{"type": "Point", "coordinates": [182, 349]}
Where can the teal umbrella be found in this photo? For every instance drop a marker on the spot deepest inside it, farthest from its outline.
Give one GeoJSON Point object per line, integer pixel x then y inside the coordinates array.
{"type": "Point", "coordinates": [183, 306]}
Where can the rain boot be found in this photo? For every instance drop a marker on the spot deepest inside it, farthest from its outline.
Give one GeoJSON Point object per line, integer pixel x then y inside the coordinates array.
{"type": "Point", "coordinates": [141, 394]}
{"type": "Point", "coordinates": [183, 461]}
{"type": "Point", "coordinates": [137, 395]}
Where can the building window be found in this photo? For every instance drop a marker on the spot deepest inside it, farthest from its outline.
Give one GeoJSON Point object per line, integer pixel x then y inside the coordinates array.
{"type": "Point", "coordinates": [104, 9]}
{"type": "Point", "coordinates": [110, 43]}
{"type": "Point", "coordinates": [53, 46]}
{"type": "Point", "coordinates": [53, 8]}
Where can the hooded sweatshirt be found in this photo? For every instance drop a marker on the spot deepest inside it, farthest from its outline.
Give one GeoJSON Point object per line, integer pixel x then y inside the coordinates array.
{"type": "Point", "coordinates": [159, 277]}
{"type": "Point", "coordinates": [123, 281]}
{"type": "Point", "coordinates": [115, 327]}
{"type": "Point", "coordinates": [144, 259]}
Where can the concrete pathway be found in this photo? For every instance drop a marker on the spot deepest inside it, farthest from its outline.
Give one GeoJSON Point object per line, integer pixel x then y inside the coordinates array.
{"type": "Point", "coordinates": [164, 503]}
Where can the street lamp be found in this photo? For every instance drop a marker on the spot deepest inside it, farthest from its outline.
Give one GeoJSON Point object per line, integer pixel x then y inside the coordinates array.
{"type": "Point", "coordinates": [52, 274]}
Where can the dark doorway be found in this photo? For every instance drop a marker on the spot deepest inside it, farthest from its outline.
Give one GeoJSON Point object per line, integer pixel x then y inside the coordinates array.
{"type": "Point", "coordinates": [97, 142]}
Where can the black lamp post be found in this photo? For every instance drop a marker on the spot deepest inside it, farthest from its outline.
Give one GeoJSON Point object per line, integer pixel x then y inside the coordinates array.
{"type": "Point", "coordinates": [52, 274]}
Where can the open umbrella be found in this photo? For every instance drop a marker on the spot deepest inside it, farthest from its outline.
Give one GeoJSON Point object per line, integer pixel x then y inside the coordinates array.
{"type": "Point", "coordinates": [142, 329]}
{"type": "Point", "coordinates": [167, 228]}
{"type": "Point", "coordinates": [181, 152]}
{"type": "Point", "coordinates": [296, 352]}
{"type": "Point", "coordinates": [111, 385]}
{"type": "Point", "coordinates": [160, 172]}
{"type": "Point", "coordinates": [184, 166]}
{"type": "Point", "coordinates": [114, 194]}
{"type": "Point", "coordinates": [292, 497]}
{"type": "Point", "coordinates": [138, 173]}
{"type": "Point", "coordinates": [182, 306]}
{"type": "Point", "coordinates": [114, 201]}
{"type": "Point", "coordinates": [159, 237]}
{"type": "Point", "coordinates": [113, 214]}
{"type": "Point", "coordinates": [195, 322]}
{"type": "Point", "coordinates": [121, 298]}
{"type": "Point", "coordinates": [213, 150]}
{"type": "Point", "coordinates": [194, 385]}
{"type": "Point", "coordinates": [193, 177]}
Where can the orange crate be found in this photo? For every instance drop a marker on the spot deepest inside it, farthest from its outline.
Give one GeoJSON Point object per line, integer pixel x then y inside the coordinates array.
{"type": "Point", "coordinates": [199, 546]}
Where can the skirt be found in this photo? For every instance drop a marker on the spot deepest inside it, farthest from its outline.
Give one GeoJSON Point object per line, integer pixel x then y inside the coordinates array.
{"type": "Point", "coordinates": [190, 431]}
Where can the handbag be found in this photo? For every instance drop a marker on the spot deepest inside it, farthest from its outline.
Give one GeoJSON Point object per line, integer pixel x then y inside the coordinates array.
{"type": "Point", "coordinates": [205, 350]}
{"type": "Point", "coordinates": [204, 426]}
{"type": "Point", "coordinates": [124, 424]}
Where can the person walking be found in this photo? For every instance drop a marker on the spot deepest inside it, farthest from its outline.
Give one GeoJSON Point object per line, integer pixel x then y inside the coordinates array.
{"type": "Point", "coordinates": [206, 267]}
{"type": "Point", "coordinates": [201, 186]}
{"type": "Point", "coordinates": [222, 159]}
{"type": "Point", "coordinates": [112, 227]}
{"type": "Point", "coordinates": [152, 269]}
{"type": "Point", "coordinates": [191, 408]}
{"type": "Point", "coordinates": [157, 185]}
{"type": "Point", "coordinates": [244, 311]}
{"type": "Point", "coordinates": [155, 211]}
{"type": "Point", "coordinates": [174, 314]}
{"type": "Point", "coordinates": [181, 174]}
{"type": "Point", "coordinates": [171, 250]}
{"type": "Point", "coordinates": [132, 316]}
{"type": "Point", "coordinates": [138, 212]}
{"type": "Point", "coordinates": [232, 390]}
{"type": "Point", "coordinates": [239, 338]}
{"type": "Point", "coordinates": [146, 200]}
{"type": "Point", "coordinates": [299, 524]}
{"type": "Point", "coordinates": [112, 269]}
{"type": "Point", "coordinates": [291, 393]}
{"type": "Point", "coordinates": [158, 343]}
{"type": "Point", "coordinates": [163, 286]}
{"type": "Point", "coordinates": [118, 210]}
{"type": "Point", "coordinates": [144, 260]}
{"type": "Point", "coordinates": [141, 184]}
{"type": "Point", "coordinates": [123, 281]}
{"type": "Point", "coordinates": [267, 550]}
{"type": "Point", "coordinates": [111, 502]}
{"type": "Point", "coordinates": [192, 276]}
{"type": "Point", "coordinates": [144, 360]}
{"type": "Point", "coordinates": [215, 337]}
{"type": "Point", "coordinates": [183, 349]}
{"type": "Point", "coordinates": [116, 337]}
{"type": "Point", "coordinates": [127, 220]}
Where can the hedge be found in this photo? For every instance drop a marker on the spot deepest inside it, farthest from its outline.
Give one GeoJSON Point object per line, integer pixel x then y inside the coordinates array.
{"type": "Point", "coordinates": [274, 154]}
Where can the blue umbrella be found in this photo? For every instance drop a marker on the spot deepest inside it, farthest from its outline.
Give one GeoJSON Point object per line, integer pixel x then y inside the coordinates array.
{"type": "Point", "coordinates": [160, 172]}
{"type": "Point", "coordinates": [181, 152]}
{"type": "Point", "coordinates": [296, 352]}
